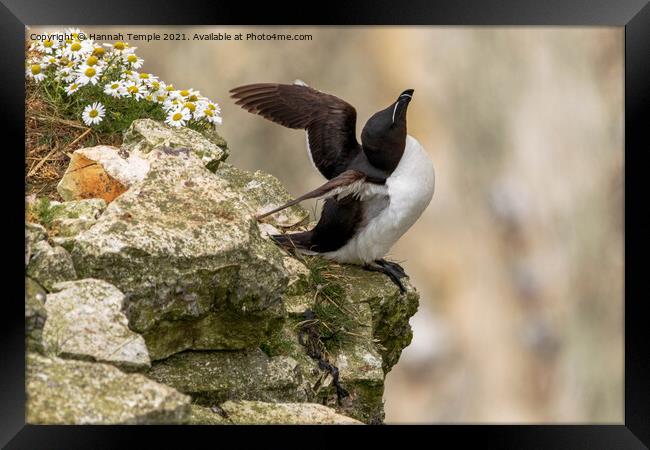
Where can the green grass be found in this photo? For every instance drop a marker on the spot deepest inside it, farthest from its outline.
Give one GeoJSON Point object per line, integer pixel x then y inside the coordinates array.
{"type": "Point", "coordinates": [43, 211]}
{"type": "Point", "coordinates": [334, 318]}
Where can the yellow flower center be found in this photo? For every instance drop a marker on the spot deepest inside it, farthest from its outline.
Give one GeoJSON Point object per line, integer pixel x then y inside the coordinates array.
{"type": "Point", "coordinates": [131, 58]}
{"type": "Point", "coordinates": [185, 93]}
{"type": "Point", "coordinates": [144, 76]}
{"type": "Point", "coordinates": [155, 85]}
{"type": "Point", "coordinates": [114, 86]}
{"type": "Point", "coordinates": [75, 47]}
{"type": "Point", "coordinates": [208, 112]}
{"type": "Point", "coordinates": [36, 69]}
{"type": "Point", "coordinates": [193, 98]}
{"type": "Point", "coordinates": [47, 43]}
{"type": "Point", "coordinates": [133, 89]}
{"type": "Point", "coordinates": [191, 106]}
{"type": "Point", "coordinates": [161, 98]}
{"type": "Point", "coordinates": [210, 106]}
{"type": "Point", "coordinates": [92, 61]}
{"type": "Point", "coordinates": [90, 72]}
{"type": "Point", "coordinates": [99, 51]}
{"type": "Point", "coordinates": [119, 45]}
{"type": "Point", "coordinates": [169, 88]}
{"type": "Point", "coordinates": [177, 116]}
{"type": "Point", "coordinates": [93, 113]}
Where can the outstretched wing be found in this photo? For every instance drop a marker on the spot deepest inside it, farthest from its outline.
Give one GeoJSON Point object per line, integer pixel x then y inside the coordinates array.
{"type": "Point", "coordinates": [350, 182]}
{"type": "Point", "coordinates": [330, 122]}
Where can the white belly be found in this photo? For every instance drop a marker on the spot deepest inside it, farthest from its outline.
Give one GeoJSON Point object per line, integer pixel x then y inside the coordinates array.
{"type": "Point", "coordinates": [410, 189]}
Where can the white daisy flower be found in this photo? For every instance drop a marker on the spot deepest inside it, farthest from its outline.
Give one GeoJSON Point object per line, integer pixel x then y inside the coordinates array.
{"type": "Point", "coordinates": [184, 94]}
{"type": "Point", "coordinates": [74, 32]}
{"type": "Point", "coordinates": [92, 60]}
{"type": "Point", "coordinates": [135, 90]}
{"type": "Point", "coordinates": [88, 74]}
{"type": "Point", "coordinates": [212, 116]}
{"type": "Point", "coordinates": [49, 60]}
{"type": "Point", "coordinates": [67, 74]}
{"type": "Point", "coordinates": [78, 50]}
{"type": "Point", "coordinates": [178, 117]}
{"type": "Point", "coordinates": [133, 60]}
{"type": "Point", "coordinates": [172, 103]}
{"type": "Point", "coordinates": [115, 89]}
{"type": "Point", "coordinates": [72, 88]}
{"type": "Point", "coordinates": [93, 114]}
{"type": "Point", "coordinates": [129, 75]}
{"type": "Point", "coordinates": [98, 51]}
{"type": "Point", "coordinates": [120, 48]}
{"type": "Point", "coordinates": [147, 78]}
{"type": "Point", "coordinates": [35, 71]}
{"type": "Point", "coordinates": [48, 46]}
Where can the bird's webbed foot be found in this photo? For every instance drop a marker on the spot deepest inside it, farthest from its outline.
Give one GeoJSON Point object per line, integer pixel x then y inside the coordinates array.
{"type": "Point", "coordinates": [394, 271]}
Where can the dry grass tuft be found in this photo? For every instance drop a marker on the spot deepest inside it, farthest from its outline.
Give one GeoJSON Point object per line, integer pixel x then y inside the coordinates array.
{"type": "Point", "coordinates": [49, 141]}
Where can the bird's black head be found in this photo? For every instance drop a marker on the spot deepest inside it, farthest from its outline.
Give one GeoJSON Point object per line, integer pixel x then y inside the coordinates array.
{"type": "Point", "coordinates": [384, 135]}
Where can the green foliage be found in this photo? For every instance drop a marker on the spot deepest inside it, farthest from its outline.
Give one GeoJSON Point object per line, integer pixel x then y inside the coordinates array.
{"type": "Point", "coordinates": [43, 211]}
{"type": "Point", "coordinates": [334, 318]}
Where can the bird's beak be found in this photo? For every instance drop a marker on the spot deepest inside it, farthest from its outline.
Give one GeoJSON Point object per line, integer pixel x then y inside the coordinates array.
{"type": "Point", "coordinates": [401, 104]}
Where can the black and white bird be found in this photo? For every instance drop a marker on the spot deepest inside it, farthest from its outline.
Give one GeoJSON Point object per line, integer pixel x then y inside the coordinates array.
{"type": "Point", "coordinates": [376, 190]}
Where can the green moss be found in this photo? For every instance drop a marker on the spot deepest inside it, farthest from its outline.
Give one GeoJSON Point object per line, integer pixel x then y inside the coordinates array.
{"type": "Point", "coordinates": [44, 211]}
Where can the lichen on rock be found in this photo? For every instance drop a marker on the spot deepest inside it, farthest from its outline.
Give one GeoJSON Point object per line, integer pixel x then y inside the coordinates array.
{"type": "Point", "coordinates": [49, 265]}
{"type": "Point", "coordinates": [187, 252]}
{"type": "Point", "coordinates": [214, 377]}
{"type": "Point", "coordinates": [35, 314]}
{"type": "Point", "coordinates": [85, 321]}
{"type": "Point", "coordinates": [65, 392]}
{"type": "Point", "coordinates": [145, 135]}
{"type": "Point", "coordinates": [244, 412]}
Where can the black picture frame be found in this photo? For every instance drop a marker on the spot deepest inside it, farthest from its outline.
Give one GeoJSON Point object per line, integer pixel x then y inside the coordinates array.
{"type": "Point", "coordinates": [634, 15]}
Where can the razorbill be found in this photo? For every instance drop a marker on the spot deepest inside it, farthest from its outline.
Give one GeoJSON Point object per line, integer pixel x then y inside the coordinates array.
{"type": "Point", "coordinates": [376, 190]}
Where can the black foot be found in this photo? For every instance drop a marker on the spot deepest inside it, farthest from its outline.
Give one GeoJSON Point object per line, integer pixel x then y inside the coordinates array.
{"type": "Point", "coordinates": [393, 266]}
{"type": "Point", "coordinates": [388, 268]}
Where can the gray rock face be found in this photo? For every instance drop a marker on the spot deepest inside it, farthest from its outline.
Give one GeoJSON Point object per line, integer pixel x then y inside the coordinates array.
{"type": "Point", "coordinates": [78, 392]}
{"type": "Point", "coordinates": [49, 265]}
{"type": "Point", "coordinates": [187, 252]}
{"type": "Point", "coordinates": [33, 234]}
{"type": "Point", "coordinates": [178, 266]}
{"type": "Point", "coordinates": [145, 135]}
{"type": "Point", "coordinates": [85, 321]}
{"type": "Point", "coordinates": [262, 413]}
{"type": "Point", "coordinates": [35, 314]}
{"type": "Point", "coordinates": [214, 377]}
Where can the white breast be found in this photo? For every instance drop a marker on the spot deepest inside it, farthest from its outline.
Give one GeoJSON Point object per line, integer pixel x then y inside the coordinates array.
{"type": "Point", "coordinates": [410, 189]}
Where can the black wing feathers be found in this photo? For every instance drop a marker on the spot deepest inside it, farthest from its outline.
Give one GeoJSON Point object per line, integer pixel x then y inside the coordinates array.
{"type": "Point", "coordinates": [330, 122]}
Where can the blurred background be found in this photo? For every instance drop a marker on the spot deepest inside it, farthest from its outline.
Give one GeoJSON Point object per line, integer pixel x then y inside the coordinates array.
{"type": "Point", "coordinates": [519, 257]}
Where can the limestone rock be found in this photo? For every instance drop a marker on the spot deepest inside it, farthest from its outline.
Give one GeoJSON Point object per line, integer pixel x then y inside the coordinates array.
{"type": "Point", "coordinates": [262, 413]}
{"type": "Point", "coordinates": [35, 314]}
{"type": "Point", "coordinates": [33, 234]}
{"type": "Point", "coordinates": [263, 192]}
{"type": "Point", "coordinates": [145, 135]}
{"type": "Point", "coordinates": [214, 377]}
{"type": "Point", "coordinates": [372, 328]}
{"type": "Point", "coordinates": [79, 392]}
{"type": "Point", "coordinates": [49, 265]}
{"type": "Point", "coordinates": [100, 172]}
{"type": "Point", "coordinates": [184, 247]}
{"type": "Point", "coordinates": [85, 321]}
